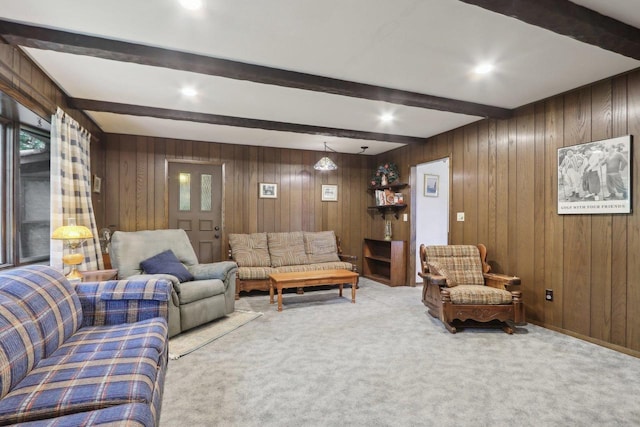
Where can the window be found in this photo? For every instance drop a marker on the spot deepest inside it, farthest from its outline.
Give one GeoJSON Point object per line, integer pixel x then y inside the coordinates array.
{"type": "Point", "coordinates": [34, 195]}
{"type": "Point", "coordinates": [24, 188]}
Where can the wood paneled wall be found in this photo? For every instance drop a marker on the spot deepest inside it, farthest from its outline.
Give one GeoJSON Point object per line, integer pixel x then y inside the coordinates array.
{"type": "Point", "coordinates": [25, 82]}
{"type": "Point", "coordinates": [504, 177]}
{"type": "Point", "coordinates": [135, 187]}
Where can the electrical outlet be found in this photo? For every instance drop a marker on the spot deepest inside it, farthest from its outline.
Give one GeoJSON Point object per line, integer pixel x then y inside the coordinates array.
{"type": "Point", "coordinates": [460, 216]}
{"type": "Point", "coordinates": [548, 294]}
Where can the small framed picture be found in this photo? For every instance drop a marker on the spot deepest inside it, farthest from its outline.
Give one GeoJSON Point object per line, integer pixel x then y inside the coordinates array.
{"type": "Point", "coordinates": [97, 184]}
{"type": "Point", "coordinates": [431, 184]}
{"type": "Point", "coordinates": [329, 193]}
{"type": "Point", "coordinates": [268, 190]}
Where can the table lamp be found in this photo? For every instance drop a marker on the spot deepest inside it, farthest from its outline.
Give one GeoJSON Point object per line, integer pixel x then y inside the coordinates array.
{"type": "Point", "coordinates": [73, 236]}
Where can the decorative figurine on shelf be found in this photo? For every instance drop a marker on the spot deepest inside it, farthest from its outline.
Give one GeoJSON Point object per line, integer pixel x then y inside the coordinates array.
{"type": "Point", "coordinates": [385, 174]}
{"type": "Point", "coordinates": [387, 230]}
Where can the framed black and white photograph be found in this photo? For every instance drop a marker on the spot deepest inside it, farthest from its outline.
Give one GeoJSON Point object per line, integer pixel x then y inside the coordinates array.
{"type": "Point", "coordinates": [431, 183]}
{"type": "Point", "coordinates": [595, 177]}
{"type": "Point", "coordinates": [329, 193]}
{"type": "Point", "coordinates": [268, 190]}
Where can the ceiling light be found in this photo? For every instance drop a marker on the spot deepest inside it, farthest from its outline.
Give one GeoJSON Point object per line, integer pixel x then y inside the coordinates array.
{"type": "Point", "coordinates": [387, 117]}
{"type": "Point", "coordinates": [483, 68]}
{"type": "Point", "coordinates": [191, 4]}
{"type": "Point", "coordinates": [189, 91]}
{"type": "Point", "coordinates": [325, 163]}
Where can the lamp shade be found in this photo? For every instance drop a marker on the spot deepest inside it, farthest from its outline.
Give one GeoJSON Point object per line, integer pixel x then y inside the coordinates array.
{"type": "Point", "coordinates": [72, 232]}
{"type": "Point", "coordinates": [325, 164]}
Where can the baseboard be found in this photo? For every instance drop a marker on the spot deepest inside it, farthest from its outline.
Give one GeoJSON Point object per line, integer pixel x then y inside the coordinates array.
{"type": "Point", "coordinates": [615, 347]}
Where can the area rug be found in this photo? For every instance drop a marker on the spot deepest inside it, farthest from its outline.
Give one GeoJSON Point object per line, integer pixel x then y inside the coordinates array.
{"type": "Point", "coordinates": [194, 339]}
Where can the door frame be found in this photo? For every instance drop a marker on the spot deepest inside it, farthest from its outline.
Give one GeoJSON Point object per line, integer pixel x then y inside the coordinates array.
{"type": "Point", "coordinates": [224, 243]}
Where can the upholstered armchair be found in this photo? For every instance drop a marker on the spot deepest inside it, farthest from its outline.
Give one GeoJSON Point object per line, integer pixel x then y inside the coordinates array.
{"type": "Point", "coordinates": [201, 292]}
{"type": "Point", "coordinates": [460, 291]}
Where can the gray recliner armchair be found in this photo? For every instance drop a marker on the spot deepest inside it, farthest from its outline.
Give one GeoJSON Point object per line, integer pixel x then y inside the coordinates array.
{"type": "Point", "coordinates": [209, 296]}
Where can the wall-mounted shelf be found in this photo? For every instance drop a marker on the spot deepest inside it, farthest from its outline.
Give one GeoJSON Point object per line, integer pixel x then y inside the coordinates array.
{"type": "Point", "coordinates": [393, 186]}
{"type": "Point", "coordinates": [388, 206]}
{"type": "Point", "coordinates": [383, 209]}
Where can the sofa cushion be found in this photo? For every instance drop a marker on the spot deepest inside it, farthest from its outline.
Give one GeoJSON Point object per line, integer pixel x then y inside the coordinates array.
{"type": "Point", "coordinates": [287, 249]}
{"type": "Point", "coordinates": [200, 289]}
{"type": "Point", "coordinates": [321, 246]}
{"type": "Point", "coordinates": [462, 262]}
{"type": "Point", "coordinates": [255, 273]}
{"type": "Point", "coordinates": [151, 333]}
{"type": "Point", "coordinates": [339, 265]}
{"type": "Point", "coordinates": [48, 298]}
{"type": "Point", "coordinates": [128, 248]}
{"type": "Point", "coordinates": [79, 382]}
{"type": "Point", "coordinates": [20, 344]}
{"type": "Point", "coordinates": [474, 294]}
{"type": "Point", "coordinates": [250, 250]}
{"type": "Point", "coordinates": [166, 262]}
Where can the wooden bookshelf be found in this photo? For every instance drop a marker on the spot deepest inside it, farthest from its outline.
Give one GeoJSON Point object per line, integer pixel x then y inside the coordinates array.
{"type": "Point", "coordinates": [385, 261]}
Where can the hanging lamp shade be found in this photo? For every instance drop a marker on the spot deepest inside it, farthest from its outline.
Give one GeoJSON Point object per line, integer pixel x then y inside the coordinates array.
{"type": "Point", "coordinates": [325, 163]}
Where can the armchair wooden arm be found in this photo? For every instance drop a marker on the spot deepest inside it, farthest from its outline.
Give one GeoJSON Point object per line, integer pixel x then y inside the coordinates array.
{"type": "Point", "coordinates": [500, 281]}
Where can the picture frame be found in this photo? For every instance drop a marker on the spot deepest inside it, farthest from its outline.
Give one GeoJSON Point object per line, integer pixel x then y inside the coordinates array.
{"type": "Point", "coordinates": [329, 193]}
{"type": "Point", "coordinates": [268, 190]}
{"type": "Point", "coordinates": [97, 184]}
{"type": "Point", "coordinates": [431, 185]}
{"type": "Point", "coordinates": [595, 177]}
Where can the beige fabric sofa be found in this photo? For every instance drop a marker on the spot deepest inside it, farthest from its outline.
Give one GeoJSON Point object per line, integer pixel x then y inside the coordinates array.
{"type": "Point", "coordinates": [209, 296]}
{"type": "Point", "coordinates": [260, 254]}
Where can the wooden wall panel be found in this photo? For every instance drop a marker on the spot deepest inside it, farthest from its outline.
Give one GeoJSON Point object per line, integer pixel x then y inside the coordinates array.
{"type": "Point", "coordinates": [633, 224]}
{"type": "Point", "coordinates": [136, 195]}
{"type": "Point", "coordinates": [524, 232]}
{"type": "Point", "coordinates": [619, 226]}
{"type": "Point", "coordinates": [505, 178]}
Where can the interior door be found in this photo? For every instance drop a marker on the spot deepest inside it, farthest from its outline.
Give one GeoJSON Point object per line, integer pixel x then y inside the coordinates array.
{"type": "Point", "coordinates": [195, 205]}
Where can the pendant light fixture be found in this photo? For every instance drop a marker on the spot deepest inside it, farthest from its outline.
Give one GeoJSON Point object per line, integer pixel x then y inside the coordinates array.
{"type": "Point", "coordinates": [325, 163]}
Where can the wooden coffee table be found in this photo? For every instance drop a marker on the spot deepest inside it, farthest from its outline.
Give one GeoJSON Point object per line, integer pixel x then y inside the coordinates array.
{"type": "Point", "coordinates": [301, 279]}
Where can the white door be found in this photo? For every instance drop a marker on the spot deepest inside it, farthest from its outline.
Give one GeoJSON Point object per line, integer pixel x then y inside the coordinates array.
{"type": "Point", "coordinates": [432, 206]}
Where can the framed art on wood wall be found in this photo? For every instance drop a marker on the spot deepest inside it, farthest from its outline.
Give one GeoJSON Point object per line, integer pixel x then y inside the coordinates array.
{"type": "Point", "coordinates": [329, 193]}
{"type": "Point", "coordinates": [267, 190]}
{"type": "Point", "coordinates": [595, 177]}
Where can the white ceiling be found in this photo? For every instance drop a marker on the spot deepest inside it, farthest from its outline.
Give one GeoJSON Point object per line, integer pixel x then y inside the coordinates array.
{"type": "Point", "coordinates": [424, 46]}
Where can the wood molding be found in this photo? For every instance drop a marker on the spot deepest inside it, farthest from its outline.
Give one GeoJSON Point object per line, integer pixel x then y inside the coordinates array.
{"type": "Point", "coordinates": [216, 119]}
{"type": "Point", "coordinates": [79, 44]}
{"type": "Point", "coordinates": [570, 19]}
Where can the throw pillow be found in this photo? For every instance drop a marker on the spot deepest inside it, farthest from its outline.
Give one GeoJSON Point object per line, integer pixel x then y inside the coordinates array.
{"type": "Point", "coordinates": [166, 263]}
{"type": "Point", "coordinates": [438, 269]}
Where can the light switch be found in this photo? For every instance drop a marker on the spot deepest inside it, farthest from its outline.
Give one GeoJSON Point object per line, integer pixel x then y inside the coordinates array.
{"type": "Point", "coordinates": [405, 217]}
{"type": "Point", "coordinates": [461, 216]}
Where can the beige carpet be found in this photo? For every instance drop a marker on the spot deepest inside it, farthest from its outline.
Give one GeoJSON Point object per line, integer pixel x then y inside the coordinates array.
{"type": "Point", "coordinates": [192, 340]}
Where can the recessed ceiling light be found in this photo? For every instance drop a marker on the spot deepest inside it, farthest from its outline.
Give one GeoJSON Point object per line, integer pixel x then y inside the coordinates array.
{"type": "Point", "coordinates": [387, 117]}
{"type": "Point", "coordinates": [191, 4]}
{"type": "Point", "coordinates": [189, 91]}
{"type": "Point", "coordinates": [485, 68]}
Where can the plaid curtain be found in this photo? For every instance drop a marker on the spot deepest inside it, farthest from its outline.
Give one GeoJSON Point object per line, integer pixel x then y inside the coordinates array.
{"type": "Point", "coordinates": [71, 188]}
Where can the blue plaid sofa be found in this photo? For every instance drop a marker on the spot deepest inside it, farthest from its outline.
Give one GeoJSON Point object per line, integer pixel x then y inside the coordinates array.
{"type": "Point", "coordinates": [89, 354]}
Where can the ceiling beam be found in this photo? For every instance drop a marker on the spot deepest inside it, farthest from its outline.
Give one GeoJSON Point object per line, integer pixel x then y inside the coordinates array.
{"type": "Point", "coordinates": [570, 19]}
{"type": "Point", "coordinates": [79, 44]}
{"type": "Point", "coordinates": [216, 119]}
